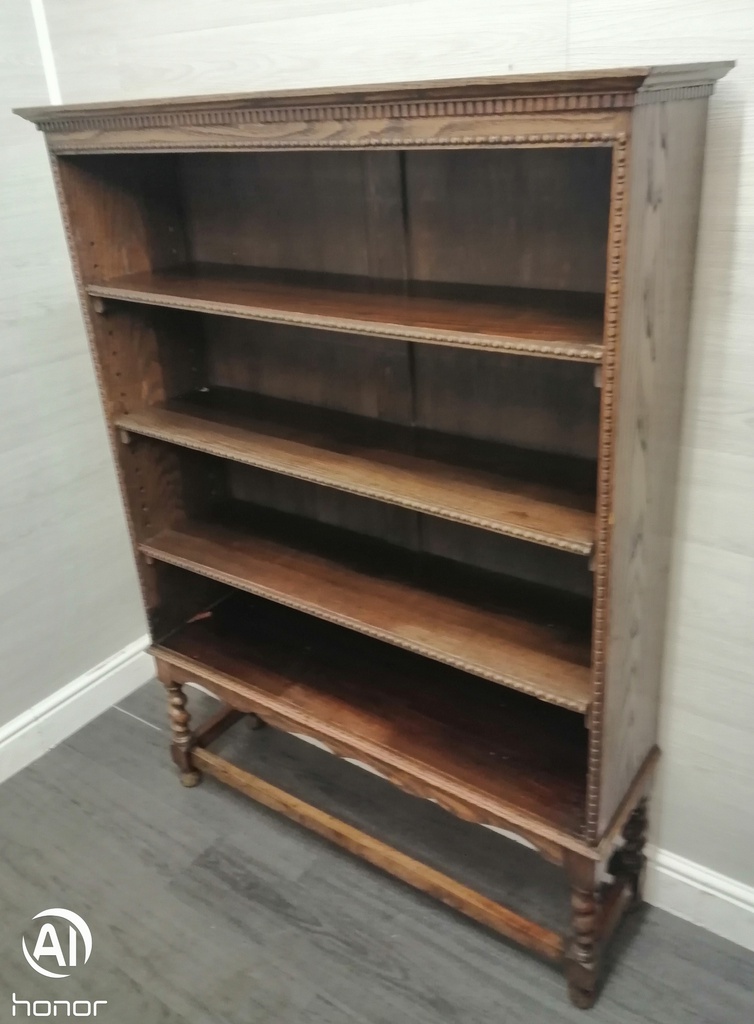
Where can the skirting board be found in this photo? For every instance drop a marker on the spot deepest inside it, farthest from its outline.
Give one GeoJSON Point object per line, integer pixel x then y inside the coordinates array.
{"type": "Point", "coordinates": [58, 716]}
{"type": "Point", "coordinates": [683, 888]}
{"type": "Point", "coordinates": [704, 897]}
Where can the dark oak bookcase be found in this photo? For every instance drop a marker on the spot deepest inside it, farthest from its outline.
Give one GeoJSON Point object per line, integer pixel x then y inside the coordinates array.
{"type": "Point", "coordinates": [394, 381]}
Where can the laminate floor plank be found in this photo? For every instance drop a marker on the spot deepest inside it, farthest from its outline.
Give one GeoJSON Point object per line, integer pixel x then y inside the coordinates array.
{"type": "Point", "coordinates": [417, 827]}
{"type": "Point", "coordinates": [112, 748]}
{"type": "Point", "coordinates": [205, 908]}
{"type": "Point", "coordinates": [141, 925]}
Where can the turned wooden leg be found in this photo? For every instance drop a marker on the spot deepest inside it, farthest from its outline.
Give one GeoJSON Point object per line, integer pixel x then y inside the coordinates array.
{"type": "Point", "coordinates": [583, 948]}
{"type": "Point", "coordinates": [631, 856]}
{"type": "Point", "coordinates": [181, 734]}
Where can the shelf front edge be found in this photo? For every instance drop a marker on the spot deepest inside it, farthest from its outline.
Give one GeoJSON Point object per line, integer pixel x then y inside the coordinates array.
{"type": "Point", "coordinates": [337, 475]}
{"type": "Point", "coordinates": [577, 698]}
{"type": "Point", "coordinates": [472, 341]}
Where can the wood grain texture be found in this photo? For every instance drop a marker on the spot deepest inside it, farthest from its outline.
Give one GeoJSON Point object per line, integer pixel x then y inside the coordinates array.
{"type": "Point", "coordinates": [593, 127]}
{"type": "Point", "coordinates": [322, 212]}
{"type": "Point", "coordinates": [665, 183]}
{"type": "Point", "coordinates": [523, 218]}
{"type": "Point", "coordinates": [525, 637]}
{"type": "Point", "coordinates": [395, 712]}
{"type": "Point", "coordinates": [516, 218]}
{"type": "Point", "coordinates": [541, 499]}
{"type": "Point", "coordinates": [542, 405]}
{"type": "Point", "coordinates": [135, 356]}
{"type": "Point", "coordinates": [136, 201]}
{"type": "Point", "coordinates": [366, 376]}
{"type": "Point", "coordinates": [505, 321]}
{"type": "Point", "coordinates": [500, 919]}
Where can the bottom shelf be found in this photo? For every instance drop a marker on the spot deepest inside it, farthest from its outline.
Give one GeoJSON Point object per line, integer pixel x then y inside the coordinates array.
{"type": "Point", "coordinates": [478, 749]}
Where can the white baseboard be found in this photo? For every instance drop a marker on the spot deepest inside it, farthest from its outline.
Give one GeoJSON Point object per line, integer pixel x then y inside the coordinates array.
{"type": "Point", "coordinates": [702, 896]}
{"type": "Point", "coordinates": [58, 716]}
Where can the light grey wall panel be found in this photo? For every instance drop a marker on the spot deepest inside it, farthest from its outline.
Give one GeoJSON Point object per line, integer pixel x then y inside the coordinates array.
{"type": "Point", "coordinates": [115, 50]}
{"type": "Point", "coordinates": [68, 594]}
{"type": "Point", "coordinates": [707, 719]}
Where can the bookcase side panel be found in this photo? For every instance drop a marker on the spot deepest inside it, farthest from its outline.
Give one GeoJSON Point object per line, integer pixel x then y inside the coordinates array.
{"type": "Point", "coordinates": [666, 164]}
{"type": "Point", "coordinates": [122, 216]}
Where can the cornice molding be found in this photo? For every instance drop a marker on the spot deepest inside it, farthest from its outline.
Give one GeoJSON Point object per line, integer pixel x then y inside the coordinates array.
{"type": "Point", "coordinates": [234, 116]}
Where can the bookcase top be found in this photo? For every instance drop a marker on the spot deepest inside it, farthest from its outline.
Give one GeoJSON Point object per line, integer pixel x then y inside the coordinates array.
{"type": "Point", "coordinates": [568, 90]}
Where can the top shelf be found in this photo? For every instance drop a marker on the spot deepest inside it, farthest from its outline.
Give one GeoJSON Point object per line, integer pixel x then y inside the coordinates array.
{"type": "Point", "coordinates": [557, 325]}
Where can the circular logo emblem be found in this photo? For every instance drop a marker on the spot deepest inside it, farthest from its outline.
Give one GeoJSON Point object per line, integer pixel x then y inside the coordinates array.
{"type": "Point", "coordinates": [60, 942]}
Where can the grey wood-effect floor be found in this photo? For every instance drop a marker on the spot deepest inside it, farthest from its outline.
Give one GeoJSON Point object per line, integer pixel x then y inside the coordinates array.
{"type": "Point", "coordinates": [207, 908]}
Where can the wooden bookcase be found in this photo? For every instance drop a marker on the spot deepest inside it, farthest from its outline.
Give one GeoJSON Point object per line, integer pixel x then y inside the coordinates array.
{"type": "Point", "coordinates": [394, 380]}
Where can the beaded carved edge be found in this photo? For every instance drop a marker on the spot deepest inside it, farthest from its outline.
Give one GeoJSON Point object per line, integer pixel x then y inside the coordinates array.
{"type": "Point", "coordinates": [604, 498]}
{"type": "Point", "coordinates": [456, 339]}
{"type": "Point", "coordinates": [426, 650]}
{"type": "Point", "coordinates": [206, 142]}
{"type": "Point", "coordinates": [379, 110]}
{"type": "Point", "coordinates": [541, 537]}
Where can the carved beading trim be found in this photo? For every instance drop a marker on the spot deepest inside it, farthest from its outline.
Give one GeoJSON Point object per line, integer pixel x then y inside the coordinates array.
{"type": "Point", "coordinates": [101, 144]}
{"type": "Point", "coordinates": [604, 495]}
{"type": "Point", "coordinates": [513, 682]}
{"type": "Point", "coordinates": [454, 339]}
{"type": "Point", "coordinates": [386, 110]}
{"type": "Point", "coordinates": [337, 112]}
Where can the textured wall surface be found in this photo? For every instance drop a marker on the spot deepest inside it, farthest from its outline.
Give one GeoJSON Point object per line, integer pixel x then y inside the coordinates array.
{"type": "Point", "coordinates": [68, 592]}
{"type": "Point", "coordinates": [103, 49]}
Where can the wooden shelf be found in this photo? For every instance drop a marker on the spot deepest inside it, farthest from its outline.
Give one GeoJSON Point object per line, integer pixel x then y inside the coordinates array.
{"type": "Point", "coordinates": [528, 322]}
{"type": "Point", "coordinates": [433, 730]}
{"type": "Point", "coordinates": [522, 636]}
{"type": "Point", "coordinates": [544, 499]}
